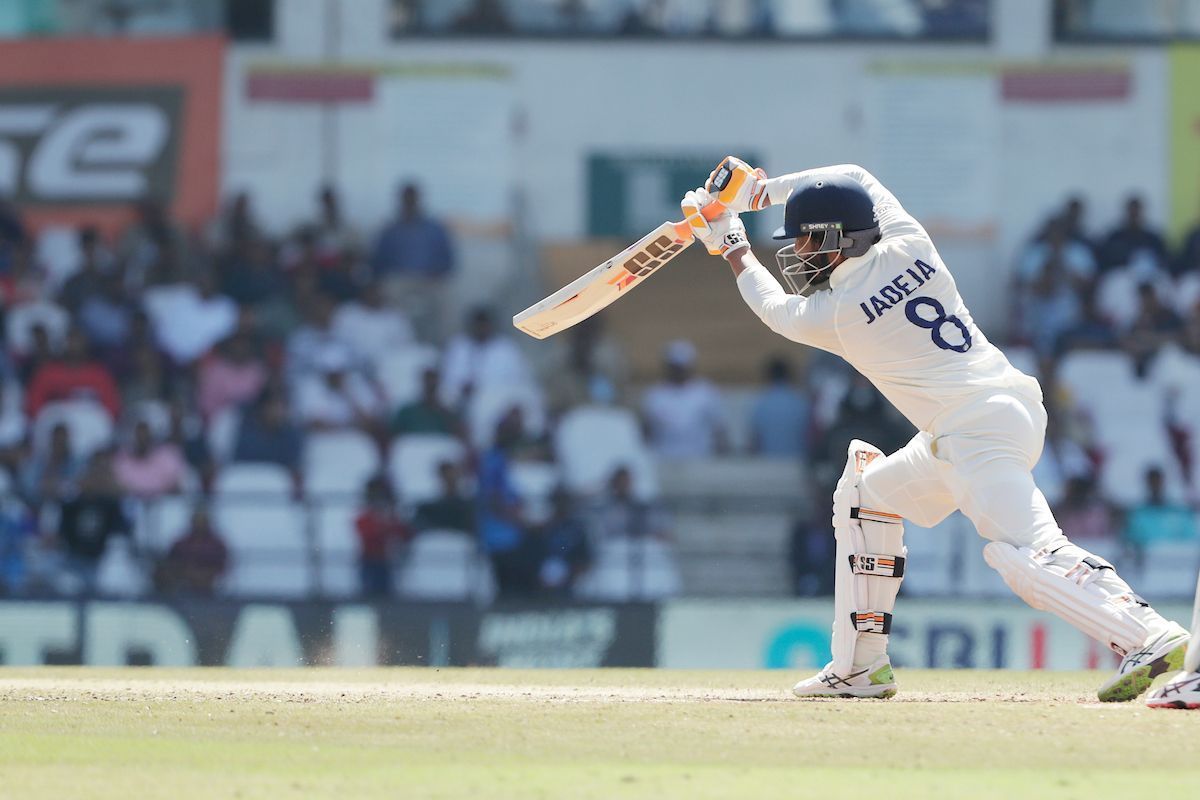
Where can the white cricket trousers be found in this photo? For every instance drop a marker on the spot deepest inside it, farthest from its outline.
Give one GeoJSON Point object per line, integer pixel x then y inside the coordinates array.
{"type": "Point", "coordinates": [978, 459]}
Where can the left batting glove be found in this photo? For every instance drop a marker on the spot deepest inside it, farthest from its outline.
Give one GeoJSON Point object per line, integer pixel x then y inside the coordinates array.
{"type": "Point", "coordinates": [722, 235]}
{"type": "Point", "coordinates": [738, 186]}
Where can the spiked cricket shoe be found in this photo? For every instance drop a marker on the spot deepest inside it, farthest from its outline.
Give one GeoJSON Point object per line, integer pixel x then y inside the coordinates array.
{"type": "Point", "coordinates": [875, 681]}
{"type": "Point", "coordinates": [1182, 691]}
{"type": "Point", "coordinates": [1160, 654]}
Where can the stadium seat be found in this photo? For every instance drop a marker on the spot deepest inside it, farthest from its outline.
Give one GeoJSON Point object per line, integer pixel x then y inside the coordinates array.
{"type": "Point", "coordinates": [1024, 359]}
{"type": "Point", "coordinates": [265, 531]}
{"type": "Point", "coordinates": [120, 574]}
{"type": "Point", "coordinates": [58, 252]}
{"type": "Point", "coordinates": [1169, 571]}
{"type": "Point", "coordinates": [339, 462]}
{"type": "Point", "coordinates": [593, 441]}
{"type": "Point", "coordinates": [399, 373]}
{"type": "Point", "coordinates": [535, 482]}
{"type": "Point", "coordinates": [1083, 372]}
{"type": "Point", "coordinates": [934, 556]}
{"type": "Point", "coordinates": [413, 464]}
{"type": "Point", "coordinates": [90, 426]}
{"type": "Point", "coordinates": [442, 565]}
{"type": "Point", "coordinates": [337, 549]}
{"type": "Point", "coordinates": [630, 569]}
{"type": "Point", "coordinates": [20, 320]}
{"type": "Point", "coordinates": [158, 523]}
{"type": "Point", "coordinates": [489, 404]}
{"type": "Point", "coordinates": [223, 432]}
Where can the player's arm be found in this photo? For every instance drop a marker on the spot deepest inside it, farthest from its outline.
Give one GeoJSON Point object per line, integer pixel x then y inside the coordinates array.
{"type": "Point", "coordinates": [893, 219]}
{"type": "Point", "coordinates": [797, 318]}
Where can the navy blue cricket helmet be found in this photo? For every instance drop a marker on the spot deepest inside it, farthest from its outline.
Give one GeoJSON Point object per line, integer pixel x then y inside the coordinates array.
{"type": "Point", "coordinates": [838, 213]}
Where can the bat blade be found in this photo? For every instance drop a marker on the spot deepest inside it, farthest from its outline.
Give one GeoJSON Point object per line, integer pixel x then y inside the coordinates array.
{"type": "Point", "coordinates": [597, 289]}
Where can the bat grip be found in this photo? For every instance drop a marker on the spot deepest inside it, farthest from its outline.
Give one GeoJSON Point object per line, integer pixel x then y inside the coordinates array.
{"type": "Point", "coordinates": [712, 210]}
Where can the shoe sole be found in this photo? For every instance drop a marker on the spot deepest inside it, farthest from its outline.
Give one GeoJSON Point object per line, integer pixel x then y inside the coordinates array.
{"type": "Point", "coordinates": [1131, 686]}
{"type": "Point", "coordinates": [1172, 704]}
{"type": "Point", "coordinates": [884, 695]}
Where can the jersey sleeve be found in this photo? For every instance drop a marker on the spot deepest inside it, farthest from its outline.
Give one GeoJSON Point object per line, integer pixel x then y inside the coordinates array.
{"type": "Point", "coordinates": [894, 221]}
{"type": "Point", "coordinates": [807, 320]}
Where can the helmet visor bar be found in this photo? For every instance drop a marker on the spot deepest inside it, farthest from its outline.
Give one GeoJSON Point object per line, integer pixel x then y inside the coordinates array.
{"type": "Point", "coordinates": [804, 271]}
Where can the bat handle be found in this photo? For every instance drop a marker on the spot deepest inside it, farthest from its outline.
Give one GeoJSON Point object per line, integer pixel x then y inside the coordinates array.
{"type": "Point", "coordinates": [710, 212]}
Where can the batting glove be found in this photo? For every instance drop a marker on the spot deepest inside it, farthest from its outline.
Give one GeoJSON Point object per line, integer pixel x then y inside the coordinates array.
{"type": "Point", "coordinates": [721, 235]}
{"type": "Point", "coordinates": [739, 186]}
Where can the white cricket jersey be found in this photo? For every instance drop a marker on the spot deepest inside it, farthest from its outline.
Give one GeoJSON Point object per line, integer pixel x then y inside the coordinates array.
{"type": "Point", "coordinates": [893, 313]}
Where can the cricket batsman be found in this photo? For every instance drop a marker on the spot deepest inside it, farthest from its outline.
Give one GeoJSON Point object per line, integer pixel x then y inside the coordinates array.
{"type": "Point", "coordinates": [868, 285]}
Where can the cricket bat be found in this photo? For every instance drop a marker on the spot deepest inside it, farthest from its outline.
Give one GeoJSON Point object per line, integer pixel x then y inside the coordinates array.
{"type": "Point", "coordinates": [599, 288]}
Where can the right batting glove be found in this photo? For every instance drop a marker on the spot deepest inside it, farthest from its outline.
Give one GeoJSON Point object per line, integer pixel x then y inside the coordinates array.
{"type": "Point", "coordinates": [723, 235]}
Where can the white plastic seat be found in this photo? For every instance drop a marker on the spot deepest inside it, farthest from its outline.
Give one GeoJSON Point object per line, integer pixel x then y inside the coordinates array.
{"type": "Point", "coordinates": [58, 252]}
{"type": "Point", "coordinates": [119, 573]}
{"type": "Point", "coordinates": [222, 433]}
{"type": "Point", "coordinates": [160, 522]}
{"type": "Point", "coordinates": [489, 404]}
{"type": "Point", "coordinates": [442, 565]}
{"type": "Point", "coordinates": [399, 372]}
{"type": "Point", "coordinates": [413, 464]}
{"type": "Point", "coordinates": [337, 550]}
{"type": "Point", "coordinates": [88, 422]}
{"type": "Point", "coordinates": [1089, 374]}
{"type": "Point", "coordinates": [265, 532]}
{"type": "Point", "coordinates": [339, 462]}
{"type": "Point", "coordinates": [932, 554]}
{"type": "Point", "coordinates": [535, 482]}
{"type": "Point", "coordinates": [1169, 570]}
{"type": "Point", "coordinates": [630, 569]}
{"type": "Point", "coordinates": [20, 320]}
{"type": "Point", "coordinates": [593, 441]}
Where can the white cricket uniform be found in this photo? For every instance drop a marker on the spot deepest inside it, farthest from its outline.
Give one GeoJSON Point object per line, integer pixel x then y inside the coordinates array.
{"type": "Point", "coordinates": [895, 314]}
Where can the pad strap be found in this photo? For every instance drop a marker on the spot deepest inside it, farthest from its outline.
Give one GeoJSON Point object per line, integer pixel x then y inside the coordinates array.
{"type": "Point", "coordinates": [872, 622]}
{"type": "Point", "coordinates": [870, 515]}
{"type": "Point", "coordinates": [881, 566]}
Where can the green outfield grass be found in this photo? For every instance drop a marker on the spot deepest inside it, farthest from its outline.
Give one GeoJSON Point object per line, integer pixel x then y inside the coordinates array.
{"type": "Point", "coordinates": [478, 733]}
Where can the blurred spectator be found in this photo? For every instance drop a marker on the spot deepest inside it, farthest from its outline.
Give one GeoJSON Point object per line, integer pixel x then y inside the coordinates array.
{"type": "Point", "coordinates": [380, 528]}
{"type": "Point", "coordinates": [780, 418]}
{"type": "Point", "coordinates": [186, 432]}
{"type": "Point", "coordinates": [89, 519]}
{"type": "Point", "coordinates": [49, 474]}
{"type": "Point", "coordinates": [1072, 222]}
{"type": "Point", "coordinates": [41, 352]}
{"type": "Point", "coordinates": [502, 525]}
{"type": "Point", "coordinates": [811, 553]}
{"type": "Point", "coordinates": [337, 239]}
{"type": "Point", "coordinates": [1157, 519]}
{"type": "Point", "coordinates": [1051, 306]}
{"type": "Point", "coordinates": [484, 17]}
{"type": "Point", "coordinates": [619, 514]}
{"type": "Point", "coordinates": [303, 257]}
{"type": "Point", "coordinates": [1083, 515]}
{"type": "Point", "coordinates": [24, 282]}
{"type": "Point", "coordinates": [451, 509]}
{"type": "Point", "coordinates": [1190, 335]}
{"type": "Point", "coordinates": [17, 534]}
{"type": "Point", "coordinates": [13, 424]}
{"type": "Point", "coordinates": [481, 358]}
{"type": "Point", "coordinates": [14, 240]}
{"type": "Point", "coordinates": [249, 275]}
{"type": "Point", "coordinates": [315, 342]}
{"type": "Point", "coordinates": [587, 367]}
{"type": "Point", "coordinates": [196, 561]}
{"type": "Point", "coordinates": [106, 316]}
{"type": "Point", "coordinates": [236, 225]}
{"type": "Point", "coordinates": [1091, 331]}
{"type": "Point", "coordinates": [1132, 240]}
{"type": "Point", "coordinates": [371, 328]}
{"type": "Point", "coordinates": [148, 468]}
{"type": "Point", "coordinates": [95, 265]}
{"type": "Point", "coordinates": [338, 396]}
{"type": "Point", "coordinates": [1154, 326]}
{"type": "Point", "coordinates": [414, 258]}
{"type": "Point", "coordinates": [189, 319]}
{"type": "Point", "coordinates": [232, 374]}
{"type": "Point", "coordinates": [566, 553]}
{"type": "Point", "coordinates": [150, 243]}
{"type": "Point", "coordinates": [683, 413]}
{"type": "Point", "coordinates": [426, 414]}
{"type": "Point", "coordinates": [22, 323]}
{"type": "Point", "coordinates": [147, 376]}
{"type": "Point", "coordinates": [1189, 252]}
{"type": "Point", "coordinates": [1059, 246]}
{"type": "Point", "coordinates": [75, 376]}
{"type": "Point", "coordinates": [862, 414]}
{"type": "Point", "coordinates": [266, 434]}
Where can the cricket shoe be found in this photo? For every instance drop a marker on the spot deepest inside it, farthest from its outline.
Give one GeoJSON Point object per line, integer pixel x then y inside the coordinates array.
{"type": "Point", "coordinates": [1158, 655]}
{"type": "Point", "coordinates": [1182, 691]}
{"type": "Point", "coordinates": [875, 681]}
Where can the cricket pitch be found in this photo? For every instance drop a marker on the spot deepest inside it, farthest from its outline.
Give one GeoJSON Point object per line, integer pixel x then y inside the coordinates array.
{"type": "Point", "coordinates": [488, 733]}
